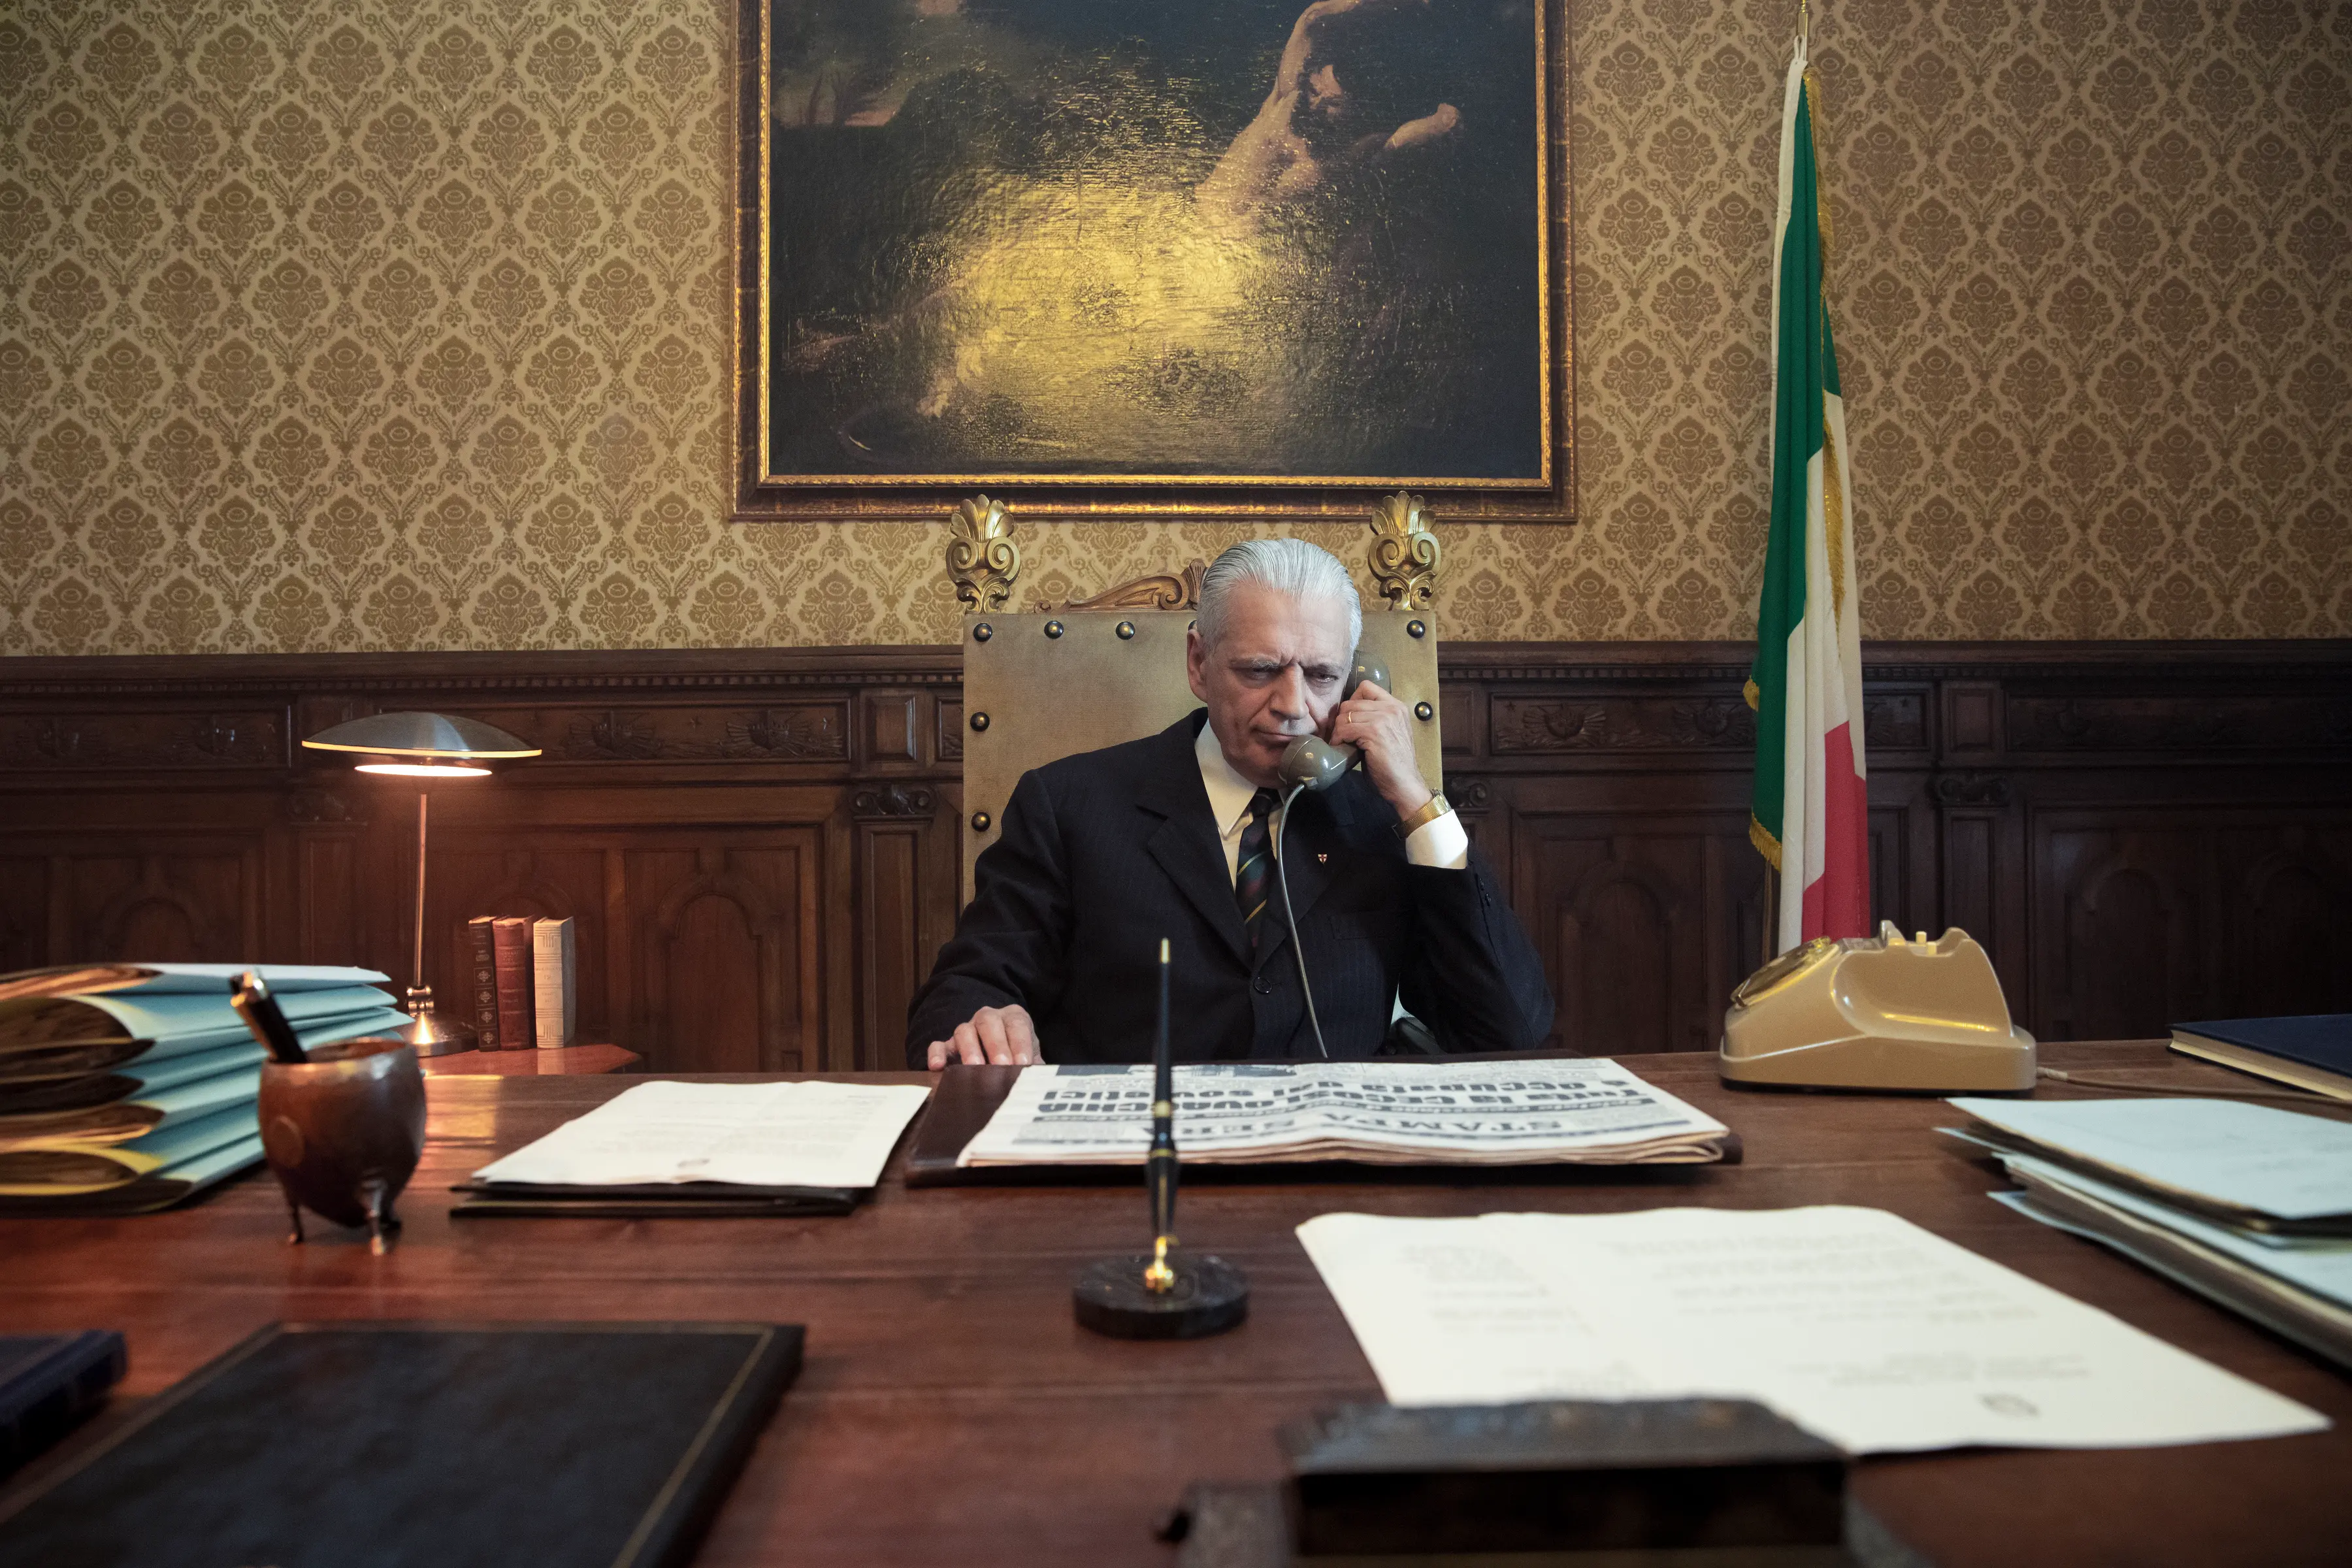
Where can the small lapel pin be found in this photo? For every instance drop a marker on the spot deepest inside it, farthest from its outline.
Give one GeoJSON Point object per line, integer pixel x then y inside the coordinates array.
{"type": "Point", "coordinates": [1322, 859]}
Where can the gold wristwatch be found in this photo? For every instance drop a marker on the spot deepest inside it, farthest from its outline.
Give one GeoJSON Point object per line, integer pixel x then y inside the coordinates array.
{"type": "Point", "coordinates": [1431, 809]}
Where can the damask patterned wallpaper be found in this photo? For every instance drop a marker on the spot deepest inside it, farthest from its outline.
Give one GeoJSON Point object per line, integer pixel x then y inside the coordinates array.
{"type": "Point", "coordinates": [331, 326]}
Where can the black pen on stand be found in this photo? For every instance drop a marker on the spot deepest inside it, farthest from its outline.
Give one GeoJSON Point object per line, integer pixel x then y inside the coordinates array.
{"type": "Point", "coordinates": [250, 994]}
{"type": "Point", "coordinates": [1160, 1164]}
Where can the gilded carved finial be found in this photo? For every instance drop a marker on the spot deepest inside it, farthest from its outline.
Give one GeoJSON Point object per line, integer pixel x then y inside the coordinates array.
{"type": "Point", "coordinates": [1404, 552]}
{"type": "Point", "coordinates": [981, 556]}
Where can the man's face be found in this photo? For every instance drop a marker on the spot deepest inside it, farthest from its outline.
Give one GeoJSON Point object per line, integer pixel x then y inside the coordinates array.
{"type": "Point", "coordinates": [1274, 676]}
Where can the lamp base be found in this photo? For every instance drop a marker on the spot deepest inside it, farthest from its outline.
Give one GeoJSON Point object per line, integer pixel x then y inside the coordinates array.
{"type": "Point", "coordinates": [434, 1035]}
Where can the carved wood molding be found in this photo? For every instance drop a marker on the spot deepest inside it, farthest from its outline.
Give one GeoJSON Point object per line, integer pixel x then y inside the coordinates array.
{"type": "Point", "coordinates": [1157, 591]}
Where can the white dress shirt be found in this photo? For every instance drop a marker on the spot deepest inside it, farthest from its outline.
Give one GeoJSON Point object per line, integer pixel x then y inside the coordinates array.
{"type": "Point", "coordinates": [1442, 841]}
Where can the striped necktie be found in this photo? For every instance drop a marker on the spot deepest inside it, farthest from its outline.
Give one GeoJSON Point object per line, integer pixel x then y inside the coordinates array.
{"type": "Point", "coordinates": [1253, 874]}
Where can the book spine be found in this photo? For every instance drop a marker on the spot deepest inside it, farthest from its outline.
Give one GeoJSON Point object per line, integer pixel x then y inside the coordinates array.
{"type": "Point", "coordinates": [482, 965]}
{"type": "Point", "coordinates": [511, 944]}
{"type": "Point", "coordinates": [552, 983]}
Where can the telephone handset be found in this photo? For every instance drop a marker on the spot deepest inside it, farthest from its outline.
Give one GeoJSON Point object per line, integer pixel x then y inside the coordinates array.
{"type": "Point", "coordinates": [1313, 762]}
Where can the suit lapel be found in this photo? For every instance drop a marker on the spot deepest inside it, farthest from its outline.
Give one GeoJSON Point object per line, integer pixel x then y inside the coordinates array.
{"type": "Point", "coordinates": [1186, 842]}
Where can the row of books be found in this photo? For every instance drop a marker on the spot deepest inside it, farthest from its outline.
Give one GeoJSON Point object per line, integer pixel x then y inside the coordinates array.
{"type": "Point", "coordinates": [526, 982]}
{"type": "Point", "coordinates": [128, 1087]}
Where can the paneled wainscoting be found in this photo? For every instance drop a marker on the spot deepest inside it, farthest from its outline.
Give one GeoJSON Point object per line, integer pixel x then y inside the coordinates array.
{"type": "Point", "coordinates": [760, 846]}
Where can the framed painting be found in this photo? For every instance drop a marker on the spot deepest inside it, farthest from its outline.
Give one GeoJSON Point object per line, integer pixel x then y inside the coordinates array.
{"type": "Point", "coordinates": [1244, 258]}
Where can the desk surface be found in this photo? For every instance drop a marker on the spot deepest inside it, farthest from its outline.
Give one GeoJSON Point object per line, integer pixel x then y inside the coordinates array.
{"type": "Point", "coordinates": [951, 1411]}
{"type": "Point", "coordinates": [591, 1058]}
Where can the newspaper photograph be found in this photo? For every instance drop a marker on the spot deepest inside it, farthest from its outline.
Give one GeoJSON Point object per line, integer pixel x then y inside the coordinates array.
{"type": "Point", "coordinates": [1542, 1111]}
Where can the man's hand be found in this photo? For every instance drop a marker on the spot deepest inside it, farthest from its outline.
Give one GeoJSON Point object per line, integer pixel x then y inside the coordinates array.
{"type": "Point", "coordinates": [1003, 1036]}
{"type": "Point", "coordinates": [1383, 725]}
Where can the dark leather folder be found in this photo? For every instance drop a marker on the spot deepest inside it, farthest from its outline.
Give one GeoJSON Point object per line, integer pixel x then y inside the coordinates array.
{"type": "Point", "coordinates": [394, 1445]}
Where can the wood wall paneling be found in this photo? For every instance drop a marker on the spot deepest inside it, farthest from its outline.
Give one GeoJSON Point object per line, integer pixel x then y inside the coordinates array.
{"type": "Point", "coordinates": [760, 848]}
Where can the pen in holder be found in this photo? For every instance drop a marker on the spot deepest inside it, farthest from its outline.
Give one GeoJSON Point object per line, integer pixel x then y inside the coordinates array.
{"type": "Point", "coordinates": [1166, 1294]}
{"type": "Point", "coordinates": [342, 1126]}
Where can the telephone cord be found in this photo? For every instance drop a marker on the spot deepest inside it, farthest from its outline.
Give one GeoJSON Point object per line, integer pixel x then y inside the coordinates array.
{"type": "Point", "coordinates": [1282, 875]}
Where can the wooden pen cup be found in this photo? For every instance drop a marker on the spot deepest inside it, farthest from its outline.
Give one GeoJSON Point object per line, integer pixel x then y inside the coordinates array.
{"type": "Point", "coordinates": [343, 1131]}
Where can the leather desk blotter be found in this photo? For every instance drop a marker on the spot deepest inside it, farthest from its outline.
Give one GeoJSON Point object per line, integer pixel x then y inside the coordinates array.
{"type": "Point", "coordinates": [392, 1445]}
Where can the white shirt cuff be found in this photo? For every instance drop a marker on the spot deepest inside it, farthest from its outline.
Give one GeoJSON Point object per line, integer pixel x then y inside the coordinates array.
{"type": "Point", "coordinates": [1442, 842]}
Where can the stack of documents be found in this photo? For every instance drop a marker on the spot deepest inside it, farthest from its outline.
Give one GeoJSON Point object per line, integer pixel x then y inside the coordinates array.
{"type": "Point", "coordinates": [690, 1149]}
{"type": "Point", "coordinates": [128, 1087]}
{"type": "Point", "coordinates": [2244, 1203]}
{"type": "Point", "coordinates": [1528, 1112]}
{"type": "Point", "coordinates": [1851, 1322]}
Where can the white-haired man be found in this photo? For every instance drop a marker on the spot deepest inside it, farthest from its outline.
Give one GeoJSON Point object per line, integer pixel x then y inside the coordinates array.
{"type": "Point", "coordinates": [1104, 854]}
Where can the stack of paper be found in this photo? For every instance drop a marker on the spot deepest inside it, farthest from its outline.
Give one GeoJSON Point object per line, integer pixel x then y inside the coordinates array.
{"type": "Point", "coordinates": [810, 1134]}
{"type": "Point", "coordinates": [2244, 1203]}
{"type": "Point", "coordinates": [1528, 1112]}
{"type": "Point", "coordinates": [127, 1086]}
{"type": "Point", "coordinates": [1851, 1322]}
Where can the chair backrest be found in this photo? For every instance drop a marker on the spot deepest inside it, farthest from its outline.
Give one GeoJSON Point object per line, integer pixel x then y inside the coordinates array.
{"type": "Point", "coordinates": [1040, 686]}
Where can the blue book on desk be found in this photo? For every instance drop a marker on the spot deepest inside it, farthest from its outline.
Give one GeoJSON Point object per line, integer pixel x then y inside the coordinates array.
{"type": "Point", "coordinates": [2313, 1053]}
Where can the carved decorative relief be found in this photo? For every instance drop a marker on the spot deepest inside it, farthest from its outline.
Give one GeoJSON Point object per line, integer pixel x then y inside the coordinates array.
{"type": "Point", "coordinates": [316, 806]}
{"type": "Point", "coordinates": [1404, 553]}
{"type": "Point", "coordinates": [1159, 590]}
{"type": "Point", "coordinates": [2173, 724]}
{"type": "Point", "coordinates": [797, 733]}
{"type": "Point", "coordinates": [1894, 722]}
{"type": "Point", "coordinates": [1971, 789]}
{"type": "Point", "coordinates": [222, 739]}
{"type": "Point", "coordinates": [981, 557]}
{"type": "Point", "coordinates": [893, 801]}
{"type": "Point", "coordinates": [1535, 725]}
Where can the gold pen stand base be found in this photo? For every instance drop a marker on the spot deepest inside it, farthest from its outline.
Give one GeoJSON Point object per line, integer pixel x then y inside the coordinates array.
{"type": "Point", "coordinates": [1209, 1297]}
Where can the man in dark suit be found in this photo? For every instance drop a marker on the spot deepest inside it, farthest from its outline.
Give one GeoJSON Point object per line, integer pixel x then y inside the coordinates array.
{"type": "Point", "coordinates": [1104, 854]}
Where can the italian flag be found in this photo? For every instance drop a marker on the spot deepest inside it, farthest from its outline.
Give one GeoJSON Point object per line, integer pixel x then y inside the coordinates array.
{"type": "Point", "coordinates": [1810, 811]}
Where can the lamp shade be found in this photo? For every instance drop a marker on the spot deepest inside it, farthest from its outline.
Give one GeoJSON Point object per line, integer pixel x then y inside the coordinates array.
{"type": "Point", "coordinates": [425, 741]}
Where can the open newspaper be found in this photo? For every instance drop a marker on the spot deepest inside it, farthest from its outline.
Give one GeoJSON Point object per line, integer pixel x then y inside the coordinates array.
{"type": "Point", "coordinates": [1528, 1112]}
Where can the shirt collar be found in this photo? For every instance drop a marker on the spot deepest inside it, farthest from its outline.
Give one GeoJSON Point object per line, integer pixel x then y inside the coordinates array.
{"type": "Point", "coordinates": [1229, 792]}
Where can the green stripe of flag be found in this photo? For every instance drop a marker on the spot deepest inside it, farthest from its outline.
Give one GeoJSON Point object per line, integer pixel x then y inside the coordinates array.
{"type": "Point", "coordinates": [1805, 370]}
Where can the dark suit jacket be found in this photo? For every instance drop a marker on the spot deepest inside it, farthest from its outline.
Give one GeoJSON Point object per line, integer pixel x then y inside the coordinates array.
{"type": "Point", "coordinates": [1104, 854]}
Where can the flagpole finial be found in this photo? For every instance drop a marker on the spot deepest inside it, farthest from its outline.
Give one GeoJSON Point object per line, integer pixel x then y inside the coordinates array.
{"type": "Point", "coordinates": [1804, 22]}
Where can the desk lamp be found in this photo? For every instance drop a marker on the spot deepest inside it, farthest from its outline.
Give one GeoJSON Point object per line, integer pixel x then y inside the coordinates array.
{"type": "Point", "coordinates": [425, 747]}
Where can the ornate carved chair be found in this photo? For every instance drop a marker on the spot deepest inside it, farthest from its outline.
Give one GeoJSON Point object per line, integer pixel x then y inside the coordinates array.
{"type": "Point", "coordinates": [1063, 678]}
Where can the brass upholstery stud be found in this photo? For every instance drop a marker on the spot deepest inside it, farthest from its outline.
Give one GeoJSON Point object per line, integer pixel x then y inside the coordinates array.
{"type": "Point", "coordinates": [980, 721]}
{"type": "Point", "coordinates": [1052, 628]}
{"type": "Point", "coordinates": [1125, 630]}
{"type": "Point", "coordinates": [1423, 711]}
{"type": "Point", "coordinates": [982, 632]}
{"type": "Point", "coordinates": [1416, 629]}
{"type": "Point", "coordinates": [979, 822]}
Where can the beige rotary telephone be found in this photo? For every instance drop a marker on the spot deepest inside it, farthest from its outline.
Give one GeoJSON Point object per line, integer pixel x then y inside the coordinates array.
{"type": "Point", "coordinates": [1877, 1012]}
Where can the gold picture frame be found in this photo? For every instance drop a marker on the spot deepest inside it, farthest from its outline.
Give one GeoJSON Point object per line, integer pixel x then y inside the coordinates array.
{"type": "Point", "coordinates": [773, 388]}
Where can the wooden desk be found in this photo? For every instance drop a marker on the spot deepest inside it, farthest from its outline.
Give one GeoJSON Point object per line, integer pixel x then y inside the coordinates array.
{"type": "Point", "coordinates": [951, 1412]}
{"type": "Point", "coordinates": [531, 1063]}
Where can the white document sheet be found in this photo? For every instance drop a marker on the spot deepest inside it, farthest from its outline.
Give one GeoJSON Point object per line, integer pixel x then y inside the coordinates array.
{"type": "Point", "coordinates": [1851, 1322]}
{"type": "Point", "coordinates": [753, 1134]}
{"type": "Point", "coordinates": [2277, 1162]}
